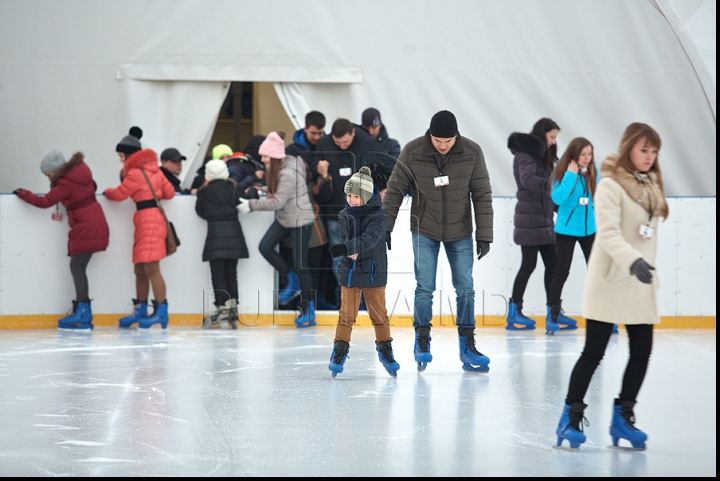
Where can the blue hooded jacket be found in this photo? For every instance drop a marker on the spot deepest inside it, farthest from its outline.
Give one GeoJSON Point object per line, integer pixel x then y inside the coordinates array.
{"type": "Point", "coordinates": [573, 218]}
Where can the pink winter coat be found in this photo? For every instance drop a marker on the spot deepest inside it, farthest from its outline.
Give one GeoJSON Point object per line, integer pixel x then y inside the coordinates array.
{"type": "Point", "coordinates": [74, 187]}
{"type": "Point", "coordinates": [150, 227]}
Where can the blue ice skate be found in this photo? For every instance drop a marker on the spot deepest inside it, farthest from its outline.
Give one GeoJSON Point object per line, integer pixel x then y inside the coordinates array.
{"type": "Point", "coordinates": [338, 357]}
{"type": "Point", "coordinates": [570, 426]}
{"type": "Point", "coordinates": [615, 329]}
{"type": "Point", "coordinates": [80, 319]}
{"type": "Point", "coordinates": [422, 347]}
{"type": "Point", "coordinates": [292, 289]}
{"type": "Point", "coordinates": [472, 359]}
{"type": "Point", "coordinates": [623, 426]}
{"type": "Point", "coordinates": [516, 321]}
{"type": "Point", "coordinates": [307, 318]}
{"type": "Point", "coordinates": [385, 354]}
{"type": "Point", "coordinates": [160, 316]}
{"type": "Point", "coordinates": [555, 321]}
{"type": "Point", "coordinates": [139, 312]}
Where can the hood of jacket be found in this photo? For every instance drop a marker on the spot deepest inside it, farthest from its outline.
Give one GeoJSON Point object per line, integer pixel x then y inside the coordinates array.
{"type": "Point", "coordinates": [645, 188]}
{"type": "Point", "coordinates": [68, 171]}
{"type": "Point", "coordinates": [529, 144]}
{"type": "Point", "coordinates": [300, 139]}
{"type": "Point", "coordinates": [146, 158]}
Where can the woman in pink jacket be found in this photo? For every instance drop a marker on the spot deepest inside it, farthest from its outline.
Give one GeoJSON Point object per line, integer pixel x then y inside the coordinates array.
{"type": "Point", "coordinates": [150, 226]}
{"type": "Point", "coordinates": [72, 185]}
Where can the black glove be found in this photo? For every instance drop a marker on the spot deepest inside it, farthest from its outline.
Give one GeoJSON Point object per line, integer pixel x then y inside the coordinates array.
{"type": "Point", "coordinates": [483, 247]}
{"type": "Point", "coordinates": [641, 270]}
{"type": "Point", "coordinates": [17, 191]}
{"type": "Point", "coordinates": [338, 250]}
{"type": "Point", "coordinates": [387, 240]}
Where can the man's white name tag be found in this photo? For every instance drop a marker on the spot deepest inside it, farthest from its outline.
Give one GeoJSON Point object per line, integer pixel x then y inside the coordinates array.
{"type": "Point", "coordinates": [442, 180]}
{"type": "Point", "coordinates": [345, 172]}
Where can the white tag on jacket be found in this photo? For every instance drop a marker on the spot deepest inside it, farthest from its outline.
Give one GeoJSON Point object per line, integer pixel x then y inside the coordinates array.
{"type": "Point", "coordinates": [441, 180]}
{"type": "Point", "coordinates": [645, 232]}
{"type": "Point", "coordinates": [583, 201]}
{"type": "Point", "coordinates": [345, 172]}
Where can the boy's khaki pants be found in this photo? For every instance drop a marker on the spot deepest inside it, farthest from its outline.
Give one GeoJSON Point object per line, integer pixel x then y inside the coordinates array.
{"type": "Point", "coordinates": [375, 304]}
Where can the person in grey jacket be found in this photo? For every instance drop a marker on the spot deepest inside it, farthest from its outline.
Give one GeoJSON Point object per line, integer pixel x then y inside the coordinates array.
{"type": "Point", "coordinates": [294, 217]}
{"type": "Point", "coordinates": [447, 177]}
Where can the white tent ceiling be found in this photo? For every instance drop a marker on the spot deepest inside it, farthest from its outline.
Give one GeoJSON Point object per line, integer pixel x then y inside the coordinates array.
{"type": "Point", "coordinates": [75, 75]}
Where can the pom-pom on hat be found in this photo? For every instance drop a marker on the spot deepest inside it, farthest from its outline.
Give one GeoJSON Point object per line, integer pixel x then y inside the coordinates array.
{"type": "Point", "coordinates": [52, 161]}
{"type": "Point", "coordinates": [443, 125]}
{"type": "Point", "coordinates": [361, 184]}
{"type": "Point", "coordinates": [216, 169]}
{"type": "Point", "coordinates": [273, 146]}
{"type": "Point", "coordinates": [220, 150]}
{"type": "Point", "coordinates": [131, 142]}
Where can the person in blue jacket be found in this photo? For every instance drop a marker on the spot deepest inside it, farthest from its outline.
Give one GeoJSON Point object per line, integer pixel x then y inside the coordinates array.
{"type": "Point", "coordinates": [573, 186]}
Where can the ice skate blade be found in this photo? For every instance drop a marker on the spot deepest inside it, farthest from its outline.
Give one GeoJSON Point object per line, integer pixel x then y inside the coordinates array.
{"type": "Point", "coordinates": [513, 327]}
{"type": "Point", "coordinates": [75, 329]}
{"type": "Point", "coordinates": [566, 448]}
{"type": "Point", "coordinates": [303, 325]}
{"type": "Point", "coordinates": [627, 448]}
{"type": "Point", "coordinates": [470, 368]}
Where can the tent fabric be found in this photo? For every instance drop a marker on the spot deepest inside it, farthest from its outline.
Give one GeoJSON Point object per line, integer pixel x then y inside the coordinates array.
{"type": "Point", "coordinates": [75, 75]}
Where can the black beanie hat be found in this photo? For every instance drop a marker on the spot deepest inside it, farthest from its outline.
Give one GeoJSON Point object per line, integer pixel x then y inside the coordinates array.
{"type": "Point", "coordinates": [253, 146]}
{"type": "Point", "coordinates": [130, 143]}
{"type": "Point", "coordinates": [443, 125]}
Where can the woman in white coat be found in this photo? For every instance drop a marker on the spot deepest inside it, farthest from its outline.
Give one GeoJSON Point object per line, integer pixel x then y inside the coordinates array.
{"type": "Point", "coordinates": [620, 286]}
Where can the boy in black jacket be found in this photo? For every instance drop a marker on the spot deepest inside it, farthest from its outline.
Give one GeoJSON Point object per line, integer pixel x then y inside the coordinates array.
{"type": "Point", "coordinates": [362, 269]}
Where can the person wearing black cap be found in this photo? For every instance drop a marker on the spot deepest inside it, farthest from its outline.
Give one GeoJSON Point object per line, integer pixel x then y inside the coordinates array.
{"type": "Point", "coordinates": [383, 162]}
{"type": "Point", "coordinates": [171, 165]}
{"type": "Point", "coordinates": [445, 173]}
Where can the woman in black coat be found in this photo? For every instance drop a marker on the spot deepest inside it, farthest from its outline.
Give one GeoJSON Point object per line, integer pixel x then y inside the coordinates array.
{"type": "Point", "coordinates": [225, 243]}
{"type": "Point", "coordinates": [535, 157]}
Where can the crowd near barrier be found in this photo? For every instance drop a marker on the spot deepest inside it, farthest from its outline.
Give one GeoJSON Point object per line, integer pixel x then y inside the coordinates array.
{"type": "Point", "coordinates": [36, 286]}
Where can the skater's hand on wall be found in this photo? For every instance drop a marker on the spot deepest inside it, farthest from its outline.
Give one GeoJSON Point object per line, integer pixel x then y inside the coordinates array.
{"type": "Point", "coordinates": [243, 207]}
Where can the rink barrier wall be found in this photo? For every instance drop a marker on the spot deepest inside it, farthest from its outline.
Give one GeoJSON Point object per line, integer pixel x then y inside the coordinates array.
{"type": "Point", "coordinates": [36, 286]}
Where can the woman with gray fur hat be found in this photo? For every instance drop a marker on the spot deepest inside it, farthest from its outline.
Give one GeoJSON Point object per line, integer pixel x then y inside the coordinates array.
{"type": "Point", "coordinates": [71, 184]}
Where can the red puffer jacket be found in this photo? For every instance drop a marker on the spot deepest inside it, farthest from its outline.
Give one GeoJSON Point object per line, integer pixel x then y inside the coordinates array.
{"type": "Point", "coordinates": [150, 227]}
{"type": "Point", "coordinates": [73, 186]}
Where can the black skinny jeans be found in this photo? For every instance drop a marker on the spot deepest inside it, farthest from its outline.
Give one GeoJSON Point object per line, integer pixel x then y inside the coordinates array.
{"type": "Point", "coordinates": [300, 240]}
{"type": "Point", "coordinates": [565, 248]}
{"type": "Point", "coordinates": [78, 269]}
{"type": "Point", "coordinates": [529, 261]}
{"type": "Point", "coordinates": [596, 341]}
{"type": "Point", "coordinates": [224, 280]}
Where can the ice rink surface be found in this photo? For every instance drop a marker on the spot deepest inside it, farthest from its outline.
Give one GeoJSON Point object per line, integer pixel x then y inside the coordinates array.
{"type": "Point", "coordinates": [261, 402]}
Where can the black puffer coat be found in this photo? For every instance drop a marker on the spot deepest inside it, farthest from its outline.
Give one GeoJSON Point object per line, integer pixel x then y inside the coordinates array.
{"type": "Point", "coordinates": [534, 225]}
{"type": "Point", "coordinates": [216, 202]}
{"type": "Point", "coordinates": [370, 267]}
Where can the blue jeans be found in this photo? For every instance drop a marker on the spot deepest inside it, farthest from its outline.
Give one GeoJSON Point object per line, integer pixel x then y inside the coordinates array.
{"type": "Point", "coordinates": [460, 255]}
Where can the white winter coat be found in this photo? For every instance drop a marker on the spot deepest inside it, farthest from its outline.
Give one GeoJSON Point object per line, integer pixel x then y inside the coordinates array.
{"type": "Point", "coordinates": [612, 294]}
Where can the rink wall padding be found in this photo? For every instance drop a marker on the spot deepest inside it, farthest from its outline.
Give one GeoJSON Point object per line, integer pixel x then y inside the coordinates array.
{"type": "Point", "coordinates": [36, 286]}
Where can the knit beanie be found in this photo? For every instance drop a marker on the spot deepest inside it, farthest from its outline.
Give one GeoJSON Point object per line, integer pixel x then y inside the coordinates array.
{"type": "Point", "coordinates": [273, 146]}
{"type": "Point", "coordinates": [52, 162]}
{"type": "Point", "coordinates": [443, 125]}
{"type": "Point", "coordinates": [216, 169]}
{"type": "Point", "coordinates": [130, 143]}
{"type": "Point", "coordinates": [361, 184]}
{"type": "Point", "coordinates": [220, 150]}
{"type": "Point", "coordinates": [253, 145]}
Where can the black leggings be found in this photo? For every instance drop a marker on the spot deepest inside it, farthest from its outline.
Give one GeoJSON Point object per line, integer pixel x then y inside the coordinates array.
{"type": "Point", "coordinates": [596, 341]}
{"type": "Point", "coordinates": [300, 239]}
{"type": "Point", "coordinates": [78, 269]}
{"type": "Point", "coordinates": [565, 248]}
{"type": "Point", "coordinates": [529, 261]}
{"type": "Point", "coordinates": [224, 280]}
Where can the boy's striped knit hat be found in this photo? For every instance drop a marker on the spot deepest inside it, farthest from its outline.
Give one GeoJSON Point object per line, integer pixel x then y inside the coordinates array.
{"type": "Point", "coordinates": [361, 184]}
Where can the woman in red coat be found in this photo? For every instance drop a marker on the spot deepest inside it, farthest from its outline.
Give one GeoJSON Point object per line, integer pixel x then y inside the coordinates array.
{"type": "Point", "coordinates": [150, 226]}
{"type": "Point", "coordinates": [71, 184]}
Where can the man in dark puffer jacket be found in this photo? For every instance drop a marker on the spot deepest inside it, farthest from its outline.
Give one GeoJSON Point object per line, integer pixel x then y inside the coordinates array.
{"type": "Point", "coordinates": [447, 177]}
